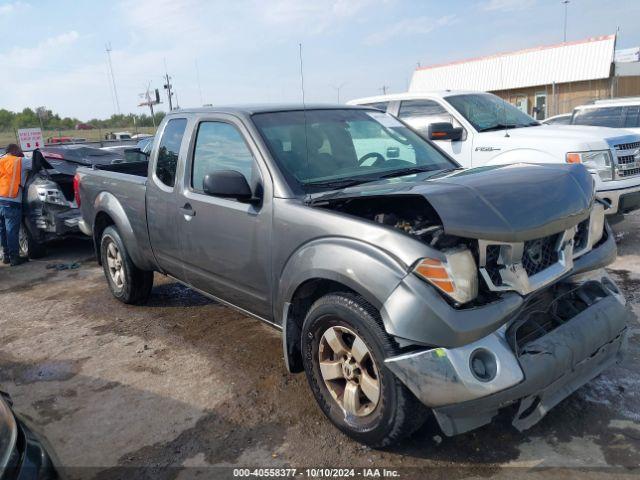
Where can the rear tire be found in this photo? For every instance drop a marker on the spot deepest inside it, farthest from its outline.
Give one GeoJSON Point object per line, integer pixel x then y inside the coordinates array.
{"type": "Point", "coordinates": [127, 283]}
{"type": "Point", "coordinates": [376, 416]}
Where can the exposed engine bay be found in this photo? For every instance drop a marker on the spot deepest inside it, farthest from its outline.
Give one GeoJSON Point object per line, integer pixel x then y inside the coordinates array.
{"type": "Point", "coordinates": [482, 269]}
{"type": "Point", "coordinates": [410, 214]}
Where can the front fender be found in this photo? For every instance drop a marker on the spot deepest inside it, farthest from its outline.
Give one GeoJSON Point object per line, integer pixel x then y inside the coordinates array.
{"type": "Point", "coordinates": [360, 266]}
{"type": "Point", "coordinates": [523, 155]}
{"type": "Point", "coordinates": [107, 203]}
{"type": "Point", "coordinates": [364, 268]}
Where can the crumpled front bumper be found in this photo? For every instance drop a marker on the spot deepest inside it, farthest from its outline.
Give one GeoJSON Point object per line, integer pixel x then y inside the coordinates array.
{"type": "Point", "coordinates": [537, 374]}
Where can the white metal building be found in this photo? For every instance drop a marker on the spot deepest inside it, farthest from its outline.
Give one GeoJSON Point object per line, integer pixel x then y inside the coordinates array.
{"type": "Point", "coordinates": [542, 81]}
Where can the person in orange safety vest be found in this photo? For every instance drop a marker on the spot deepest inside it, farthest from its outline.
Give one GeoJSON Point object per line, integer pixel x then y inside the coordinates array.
{"type": "Point", "coordinates": [12, 179]}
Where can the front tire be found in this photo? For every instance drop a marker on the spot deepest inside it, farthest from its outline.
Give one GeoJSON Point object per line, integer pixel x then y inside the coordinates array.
{"type": "Point", "coordinates": [127, 282]}
{"type": "Point", "coordinates": [344, 346]}
{"type": "Point", "coordinates": [30, 247]}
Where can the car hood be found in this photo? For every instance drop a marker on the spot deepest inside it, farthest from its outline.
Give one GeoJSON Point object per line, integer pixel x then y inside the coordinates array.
{"type": "Point", "coordinates": [503, 203]}
{"type": "Point", "coordinates": [577, 134]}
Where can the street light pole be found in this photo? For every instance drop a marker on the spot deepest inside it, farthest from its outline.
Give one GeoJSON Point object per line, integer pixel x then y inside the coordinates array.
{"type": "Point", "coordinates": [566, 4]}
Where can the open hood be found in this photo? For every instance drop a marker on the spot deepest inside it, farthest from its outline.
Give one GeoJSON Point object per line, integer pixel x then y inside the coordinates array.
{"type": "Point", "coordinates": [508, 203]}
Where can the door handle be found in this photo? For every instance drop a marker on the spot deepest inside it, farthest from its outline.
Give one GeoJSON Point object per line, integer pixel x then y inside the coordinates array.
{"type": "Point", "coordinates": [187, 211]}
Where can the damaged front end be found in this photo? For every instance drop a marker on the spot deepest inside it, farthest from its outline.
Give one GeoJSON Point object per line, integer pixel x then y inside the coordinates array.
{"type": "Point", "coordinates": [564, 337]}
{"type": "Point", "coordinates": [511, 304]}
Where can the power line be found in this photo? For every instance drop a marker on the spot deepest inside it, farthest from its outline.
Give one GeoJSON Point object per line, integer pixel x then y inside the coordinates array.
{"type": "Point", "coordinates": [113, 79]}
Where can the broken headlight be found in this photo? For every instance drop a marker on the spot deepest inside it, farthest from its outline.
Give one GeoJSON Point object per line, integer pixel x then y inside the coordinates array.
{"type": "Point", "coordinates": [456, 276]}
{"type": "Point", "coordinates": [598, 161]}
{"type": "Point", "coordinates": [51, 195]}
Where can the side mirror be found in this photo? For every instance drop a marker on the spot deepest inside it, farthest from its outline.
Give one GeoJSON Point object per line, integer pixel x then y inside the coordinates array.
{"type": "Point", "coordinates": [228, 184]}
{"type": "Point", "coordinates": [132, 155]}
{"type": "Point", "coordinates": [444, 131]}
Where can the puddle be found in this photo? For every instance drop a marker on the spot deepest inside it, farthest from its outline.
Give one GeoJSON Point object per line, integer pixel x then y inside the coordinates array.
{"type": "Point", "coordinates": [49, 371]}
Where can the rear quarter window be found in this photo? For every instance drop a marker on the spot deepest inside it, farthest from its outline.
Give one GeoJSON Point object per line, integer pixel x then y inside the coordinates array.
{"type": "Point", "coordinates": [169, 149]}
{"type": "Point", "coordinates": [379, 105]}
{"type": "Point", "coordinates": [420, 108]}
{"type": "Point", "coordinates": [600, 117]}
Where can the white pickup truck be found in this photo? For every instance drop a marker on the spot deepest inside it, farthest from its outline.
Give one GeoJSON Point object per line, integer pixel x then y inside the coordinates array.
{"type": "Point", "coordinates": [479, 129]}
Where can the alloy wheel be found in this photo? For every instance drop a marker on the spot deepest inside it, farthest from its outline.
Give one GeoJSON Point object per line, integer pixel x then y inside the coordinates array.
{"type": "Point", "coordinates": [114, 263]}
{"type": "Point", "coordinates": [23, 242]}
{"type": "Point", "coordinates": [349, 371]}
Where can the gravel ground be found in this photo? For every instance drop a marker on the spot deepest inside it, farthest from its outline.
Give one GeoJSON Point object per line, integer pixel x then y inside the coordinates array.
{"type": "Point", "coordinates": [186, 382]}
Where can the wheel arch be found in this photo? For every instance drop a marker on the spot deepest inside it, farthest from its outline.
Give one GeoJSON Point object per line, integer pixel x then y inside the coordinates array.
{"type": "Point", "coordinates": [110, 212]}
{"type": "Point", "coordinates": [328, 266]}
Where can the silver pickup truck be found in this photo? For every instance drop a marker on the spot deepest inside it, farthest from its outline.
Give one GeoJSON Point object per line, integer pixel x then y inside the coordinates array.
{"type": "Point", "coordinates": [402, 284]}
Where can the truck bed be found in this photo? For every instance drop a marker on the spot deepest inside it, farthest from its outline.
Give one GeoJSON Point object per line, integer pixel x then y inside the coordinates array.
{"type": "Point", "coordinates": [138, 169]}
{"type": "Point", "coordinates": [122, 187]}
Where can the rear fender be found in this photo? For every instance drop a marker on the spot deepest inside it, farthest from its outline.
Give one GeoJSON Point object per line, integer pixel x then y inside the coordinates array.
{"type": "Point", "coordinates": [107, 203]}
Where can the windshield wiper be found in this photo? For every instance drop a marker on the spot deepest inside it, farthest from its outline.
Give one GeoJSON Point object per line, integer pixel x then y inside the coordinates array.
{"type": "Point", "coordinates": [498, 126]}
{"type": "Point", "coordinates": [406, 171]}
{"type": "Point", "coordinates": [344, 183]}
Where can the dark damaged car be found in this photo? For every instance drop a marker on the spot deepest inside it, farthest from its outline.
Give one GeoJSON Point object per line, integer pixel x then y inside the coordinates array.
{"type": "Point", "coordinates": [23, 454]}
{"type": "Point", "coordinates": [401, 284]}
{"type": "Point", "coordinates": [50, 209]}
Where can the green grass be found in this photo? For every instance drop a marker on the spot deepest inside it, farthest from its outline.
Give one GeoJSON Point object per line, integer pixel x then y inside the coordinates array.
{"type": "Point", "coordinates": [89, 135]}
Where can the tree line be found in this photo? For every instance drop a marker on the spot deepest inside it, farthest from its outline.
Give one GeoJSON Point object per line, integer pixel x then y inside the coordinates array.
{"type": "Point", "coordinates": [47, 120]}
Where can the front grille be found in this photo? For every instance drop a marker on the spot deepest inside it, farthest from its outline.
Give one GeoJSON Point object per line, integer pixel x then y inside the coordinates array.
{"type": "Point", "coordinates": [627, 146]}
{"type": "Point", "coordinates": [624, 160]}
{"type": "Point", "coordinates": [540, 254]}
{"type": "Point", "coordinates": [630, 172]}
{"type": "Point", "coordinates": [581, 237]}
{"type": "Point", "coordinates": [492, 267]}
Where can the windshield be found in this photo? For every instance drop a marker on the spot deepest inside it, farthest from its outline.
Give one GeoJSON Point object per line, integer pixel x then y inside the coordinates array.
{"type": "Point", "coordinates": [323, 149]}
{"type": "Point", "coordinates": [487, 112]}
{"type": "Point", "coordinates": [599, 117]}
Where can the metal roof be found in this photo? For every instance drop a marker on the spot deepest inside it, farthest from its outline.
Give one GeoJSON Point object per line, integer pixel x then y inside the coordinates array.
{"type": "Point", "coordinates": [588, 59]}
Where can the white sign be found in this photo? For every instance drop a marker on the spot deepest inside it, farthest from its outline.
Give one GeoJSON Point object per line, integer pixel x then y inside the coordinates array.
{"type": "Point", "coordinates": [30, 138]}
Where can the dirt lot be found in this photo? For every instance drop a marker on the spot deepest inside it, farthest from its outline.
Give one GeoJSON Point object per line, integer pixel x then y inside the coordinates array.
{"type": "Point", "coordinates": [186, 382]}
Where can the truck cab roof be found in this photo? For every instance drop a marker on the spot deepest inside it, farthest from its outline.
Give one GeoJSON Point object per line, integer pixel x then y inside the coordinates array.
{"type": "Point", "coordinates": [411, 96]}
{"type": "Point", "coordinates": [251, 109]}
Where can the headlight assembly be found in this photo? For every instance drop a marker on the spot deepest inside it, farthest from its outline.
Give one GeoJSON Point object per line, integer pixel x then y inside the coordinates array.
{"type": "Point", "coordinates": [456, 276]}
{"type": "Point", "coordinates": [51, 195]}
{"type": "Point", "coordinates": [598, 161]}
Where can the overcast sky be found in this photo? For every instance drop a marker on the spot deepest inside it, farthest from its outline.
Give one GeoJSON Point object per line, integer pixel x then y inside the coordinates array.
{"type": "Point", "coordinates": [53, 52]}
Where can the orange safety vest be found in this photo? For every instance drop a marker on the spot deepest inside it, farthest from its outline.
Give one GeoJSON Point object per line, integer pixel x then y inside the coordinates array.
{"type": "Point", "coordinates": [10, 176]}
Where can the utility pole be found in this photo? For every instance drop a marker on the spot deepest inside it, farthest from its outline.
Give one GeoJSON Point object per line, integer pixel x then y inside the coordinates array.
{"type": "Point", "coordinates": [167, 85]}
{"type": "Point", "coordinates": [384, 89]}
{"type": "Point", "coordinates": [113, 79]}
{"type": "Point", "coordinates": [566, 5]}
{"type": "Point", "coordinates": [149, 99]}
